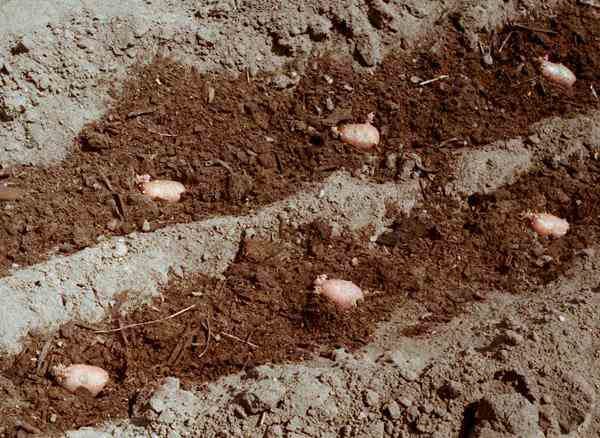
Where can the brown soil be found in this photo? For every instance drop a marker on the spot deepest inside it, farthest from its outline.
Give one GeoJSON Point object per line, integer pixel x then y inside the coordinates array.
{"type": "Point", "coordinates": [444, 256]}
{"type": "Point", "coordinates": [264, 310]}
{"type": "Point", "coordinates": [254, 144]}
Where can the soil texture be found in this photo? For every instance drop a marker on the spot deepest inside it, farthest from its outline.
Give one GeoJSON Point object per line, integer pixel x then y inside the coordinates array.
{"type": "Point", "coordinates": [241, 143]}
{"type": "Point", "coordinates": [264, 310]}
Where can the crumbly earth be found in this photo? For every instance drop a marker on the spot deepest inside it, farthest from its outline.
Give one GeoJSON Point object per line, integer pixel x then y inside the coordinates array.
{"type": "Point", "coordinates": [472, 326]}
{"type": "Point", "coordinates": [239, 144]}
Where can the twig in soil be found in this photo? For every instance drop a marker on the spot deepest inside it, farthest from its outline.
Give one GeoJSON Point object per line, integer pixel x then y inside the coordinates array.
{"type": "Point", "coordinates": [535, 29]}
{"type": "Point", "coordinates": [182, 345]}
{"type": "Point", "coordinates": [139, 324]}
{"type": "Point", "coordinates": [261, 420]}
{"type": "Point", "coordinates": [162, 134]}
{"type": "Point", "coordinates": [423, 192]}
{"type": "Point", "coordinates": [208, 335]}
{"type": "Point", "coordinates": [116, 314]}
{"type": "Point", "coordinates": [429, 81]}
{"type": "Point", "coordinates": [447, 142]}
{"type": "Point", "coordinates": [106, 182]}
{"type": "Point", "coordinates": [9, 193]}
{"type": "Point", "coordinates": [27, 427]}
{"type": "Point", "coordinates": [119, 204]}
{"type": "Point", "coordinates": [518, 84]}
{"type": "Point", "coordinates": [217, 162]}
{"type": "Point", "coordinates": [123, 334]}
{"type": "Point", "coordinates": [143, 112]}
{"type": "Point", "coordinates": [42, 357]}
{"type": "Point", "coordinates": [594, 92]}
{"type": "Point", "coordinates": [505, 42]}
{"type": "Point", "coordinates": [589, 3]}
{"type": "Point", "coordinates": [246, 362]}
{"type": "Point", "coordinates": [235, 338]}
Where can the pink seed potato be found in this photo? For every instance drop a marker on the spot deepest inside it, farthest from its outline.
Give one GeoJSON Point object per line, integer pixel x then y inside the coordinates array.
{"type": "Point", "coordinates": [360, 135]}
{"type": "Point", "coordinates": [557, 73]}
{"type": "Point", "coordinates": [166, 190]}
{"type": "Point", "coordinates": [545, 224]}
{"type": "Point", "coordinates": [344, 294]}
{"type": "Point", "coordinates": [77, 376]}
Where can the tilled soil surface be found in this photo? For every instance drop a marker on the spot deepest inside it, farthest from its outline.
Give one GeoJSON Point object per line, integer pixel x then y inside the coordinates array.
{"type": "Point", "coordinates": [253, 143]}
{"type": "Point", "coordinates": [238, 144]}
{"type": "Point", "coordinates": [264, 310]}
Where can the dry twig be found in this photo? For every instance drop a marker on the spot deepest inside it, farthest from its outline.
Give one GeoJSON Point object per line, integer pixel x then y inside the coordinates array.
{"type": "Point", "coordinates": [429, 81]}
{"type": "Point", "coordinates": [42, 357]}
{"type": "Point", "coordinates": [208, 335]}
{"type": "Point", "coordinates": [447, 142]}
{"type": "Point", "coordinates": [139, 324]}
{"type": "Point", "coordinates": [594, 93]}
{"type": "Point", "coordinates": [589, 3]}
{"type": "Point", "coordinates": [505, 42]}
{"type": "Point", "coordinates": [235, 338]}
{"type": "Point", "coordinates": [535, 29]}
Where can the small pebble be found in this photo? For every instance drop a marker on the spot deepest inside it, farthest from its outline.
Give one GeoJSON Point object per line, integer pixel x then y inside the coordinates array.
{"type": "Point", "coordinates": [502, 355]}
{"type": "Point", "coordinates": [440, 412]}
{"type": "Point", "coordinates": [513, 338]}
{"type": "Point", "coordinates": [487, 59]}
{"type": "Point", "coordinates": [391, 161]}
{"type": "Point", "coordinates": [534, 139]}
{"type": "Point", "coordinates": [120, 249]}
{"type": "Point", "coordinates": [412, 414]}
{"type": "Point", "coordinates": [392, 410]}
{"type": "Point", "coordinates": [146, 226]}
{"type": "Point", "coordinates": [371, 398]}
{"type": "Point", "coordinates": [406, 402]}
{"type": "Point", "coordinates": [329, 104]}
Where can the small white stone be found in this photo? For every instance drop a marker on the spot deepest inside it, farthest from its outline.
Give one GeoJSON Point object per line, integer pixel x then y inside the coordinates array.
{"type": "Point", "coordinates": [120, 248]}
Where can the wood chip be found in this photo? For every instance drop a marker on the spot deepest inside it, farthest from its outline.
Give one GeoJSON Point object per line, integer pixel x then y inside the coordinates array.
{"type": "Point", "coordinates": [10, 193]}
{"type": "Point", "coordinates": [134, 114]}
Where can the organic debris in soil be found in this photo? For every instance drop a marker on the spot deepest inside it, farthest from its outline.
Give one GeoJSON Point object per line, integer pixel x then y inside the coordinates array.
{"type": "Point", "coordinates": [264, 311]}
{"type": "Point", "coordinates": [444, 256]}
{"type": "Point", "coordinates": [464, 254]}
{"type": "Point", "coordinates": [239, 144]}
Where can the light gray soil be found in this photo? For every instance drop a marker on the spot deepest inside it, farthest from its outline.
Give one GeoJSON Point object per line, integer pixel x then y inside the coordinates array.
{"type": "Point", "coordinates": [58, 60]}
{"type": "Point", "coordinates": [526, 360]}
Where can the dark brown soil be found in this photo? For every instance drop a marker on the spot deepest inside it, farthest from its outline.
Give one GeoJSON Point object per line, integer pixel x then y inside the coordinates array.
{"type": "Point", "coordinates": [254, 144]}
{"type": "Point", "coordinates": [264, 310]}
{"type": "Point", "coordinates": [444, 255]}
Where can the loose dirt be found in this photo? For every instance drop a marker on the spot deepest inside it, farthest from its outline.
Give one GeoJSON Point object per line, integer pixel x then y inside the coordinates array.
{"type": "Point", "coordinates": [254, 143]}
{"type": "Point", "coordinates": [264, 311]}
